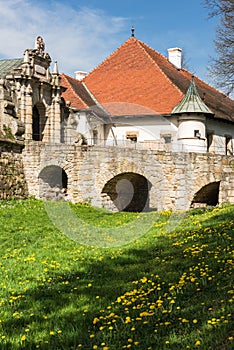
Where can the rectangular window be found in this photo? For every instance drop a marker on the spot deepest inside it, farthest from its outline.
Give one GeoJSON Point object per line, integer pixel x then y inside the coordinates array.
{"type": "Point", "coordinates": [166, 138]}
{"type": "Point", "coordinates": [197, 134]}
{"type": "Point", "coordinates": [132, 136]}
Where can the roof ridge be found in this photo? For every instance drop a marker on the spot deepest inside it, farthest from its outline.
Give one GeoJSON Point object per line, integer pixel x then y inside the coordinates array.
{"type": "Point", "coordinates": [164, 58]}
{"type": "Point", "coordinates": [72, 89]}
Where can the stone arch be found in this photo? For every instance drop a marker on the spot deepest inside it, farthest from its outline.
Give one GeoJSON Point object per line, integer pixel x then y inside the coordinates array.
{"type": "Point", "coordinates": [53, 182]}
{"type": "Point", "coordinates": [207, 195]}
{"type": "Point", "coordinates": [38, 121]}
{"type": "Point", "coordinates": [128, 191]}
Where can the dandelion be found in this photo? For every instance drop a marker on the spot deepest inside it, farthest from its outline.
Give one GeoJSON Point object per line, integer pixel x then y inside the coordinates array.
{"type": "Point", "coordinates": [23, 338]}
{"type": "Point", "coordinates": [198, 343]}
{"type": "Point", "coordinates": [95, 320]}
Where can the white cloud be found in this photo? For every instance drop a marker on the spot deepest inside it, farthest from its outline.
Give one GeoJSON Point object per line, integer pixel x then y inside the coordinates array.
{"type": "Point", "coordinates": [77, 39]}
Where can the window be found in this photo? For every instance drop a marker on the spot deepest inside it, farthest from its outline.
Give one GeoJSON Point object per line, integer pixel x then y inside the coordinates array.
{"type": "Point", "coordinates": [197, 134]}
{"type": "Point", "coordinates": [167, 138]}
{"type": "Point", "coordinates": [132, 136]}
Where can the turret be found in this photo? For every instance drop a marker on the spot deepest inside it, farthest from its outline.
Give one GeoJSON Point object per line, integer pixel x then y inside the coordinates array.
{"type": "Point", "coordinates": [192, 113]}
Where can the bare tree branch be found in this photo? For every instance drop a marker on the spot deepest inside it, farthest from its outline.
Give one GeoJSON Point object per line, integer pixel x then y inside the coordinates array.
{"type": "Point", "coordinates": [222, 67]}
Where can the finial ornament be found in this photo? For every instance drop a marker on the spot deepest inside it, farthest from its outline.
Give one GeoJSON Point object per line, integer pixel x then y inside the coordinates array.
{"type": "Point", "coordinates": [55, 71]}
{"type": "Point", "coordinates": [133, 31]}
{"type": "Point", "coordinates": [40, 45]}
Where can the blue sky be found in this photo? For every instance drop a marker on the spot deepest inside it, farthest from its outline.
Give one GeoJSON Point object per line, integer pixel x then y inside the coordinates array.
{"type": "Point", "coordinates": [79, 34]}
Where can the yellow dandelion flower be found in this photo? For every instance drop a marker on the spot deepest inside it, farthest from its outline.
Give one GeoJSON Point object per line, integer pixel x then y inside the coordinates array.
{"type": "Point", "coordinates": [23, 338]}
{"type": "Point", "coordinates": [198, 343]}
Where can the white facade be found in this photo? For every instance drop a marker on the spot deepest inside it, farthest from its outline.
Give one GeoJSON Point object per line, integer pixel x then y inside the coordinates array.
{"type": "Point", "coordinates": [187, 133]}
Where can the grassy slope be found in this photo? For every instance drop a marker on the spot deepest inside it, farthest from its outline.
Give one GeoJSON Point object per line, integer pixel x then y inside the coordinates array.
{"type": "Point", "coordinates": [166, 290]}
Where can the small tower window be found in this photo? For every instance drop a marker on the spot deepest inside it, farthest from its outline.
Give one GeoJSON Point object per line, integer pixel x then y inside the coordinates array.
{"type": "Point", "coordinates": [197, 134]}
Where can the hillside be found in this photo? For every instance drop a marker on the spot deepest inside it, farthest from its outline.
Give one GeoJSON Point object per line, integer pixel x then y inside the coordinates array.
{"type": "Point", "coordinates": [147, 282]}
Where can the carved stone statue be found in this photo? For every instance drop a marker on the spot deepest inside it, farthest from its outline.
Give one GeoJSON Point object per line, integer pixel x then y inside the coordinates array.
{"type": "Point", "coordinates": [40, 45]}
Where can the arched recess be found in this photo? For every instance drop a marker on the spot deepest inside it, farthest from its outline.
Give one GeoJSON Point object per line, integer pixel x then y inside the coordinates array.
{"type": "Point", "coordinates": [38, 121]}
{"type": "Point", "coordinates": [207, 195]}
{"type": "Point", "coordinates": [129, 192]}
{"type": "Point", "coordinates": [53, 182]}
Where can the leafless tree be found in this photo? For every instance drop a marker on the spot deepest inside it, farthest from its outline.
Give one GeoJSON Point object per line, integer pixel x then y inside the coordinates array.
{"type": "Point", "coordinates": [222, 66]}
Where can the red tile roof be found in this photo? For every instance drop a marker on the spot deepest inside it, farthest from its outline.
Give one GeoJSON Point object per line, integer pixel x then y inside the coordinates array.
{"type": "Point", "coordinates": [135, 79]}
{"type": "Point", "coordinates": [76, 93]}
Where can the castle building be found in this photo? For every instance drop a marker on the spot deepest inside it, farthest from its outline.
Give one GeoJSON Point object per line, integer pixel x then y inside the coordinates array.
{"type": "Point", "coordinates": [135, 98]}
{"type": "Point", "coordinates": [164, 124]}
{"type": "Point", "coordinates": [151, 101]}
{"type": "Point", "coordinates": [31, 107]}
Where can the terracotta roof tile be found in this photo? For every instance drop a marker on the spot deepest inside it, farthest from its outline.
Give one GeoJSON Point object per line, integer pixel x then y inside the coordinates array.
{"type": "Point", "coordinates": [76, 93]}
{"type": "Point", "coordinates": [136, 74]}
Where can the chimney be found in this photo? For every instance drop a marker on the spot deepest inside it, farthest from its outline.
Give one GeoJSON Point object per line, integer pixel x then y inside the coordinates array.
{"type": "Point", "coordinates": [175, 57]}
{"type": "Point", "coordinates": [80, 75]}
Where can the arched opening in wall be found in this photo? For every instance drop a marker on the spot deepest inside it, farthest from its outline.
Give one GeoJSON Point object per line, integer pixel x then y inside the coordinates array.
{"type": "Point", "coordinates": [38, 122]}
{"type": "Point", "coordinates": [129, 192]}
{"type": "Point", "coordinates": [53, 182]}
{"type": "Point", "coordinates": [207, 195]}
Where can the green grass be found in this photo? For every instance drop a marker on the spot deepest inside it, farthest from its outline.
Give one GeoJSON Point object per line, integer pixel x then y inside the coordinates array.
{"type": "Point", "coordinates": [168, 289]}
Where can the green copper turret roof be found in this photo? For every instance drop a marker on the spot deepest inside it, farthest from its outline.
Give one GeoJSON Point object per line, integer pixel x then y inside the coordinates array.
{"type": "Point", "coordinates": [192, 102]}
{"type": "Point", "coordinates": [6, 66]}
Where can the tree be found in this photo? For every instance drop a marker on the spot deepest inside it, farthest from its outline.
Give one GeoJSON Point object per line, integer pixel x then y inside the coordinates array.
{"type": "Point", "coordinates": [222, 67]}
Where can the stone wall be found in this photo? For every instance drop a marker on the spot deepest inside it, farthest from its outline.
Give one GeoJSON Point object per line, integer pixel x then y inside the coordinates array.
{"type": "Point", "coordinates": [173, 178]}
{"type": "Point", "coordinates": [12, 178]}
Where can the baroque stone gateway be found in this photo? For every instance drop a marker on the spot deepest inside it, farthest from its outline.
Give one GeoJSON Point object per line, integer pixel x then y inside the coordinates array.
{"type": "Point", "coordinates": [53, 148]}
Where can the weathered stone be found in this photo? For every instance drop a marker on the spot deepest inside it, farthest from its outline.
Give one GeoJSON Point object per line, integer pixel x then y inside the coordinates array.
{"type": "Point", "coordinates": [174, 178]}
